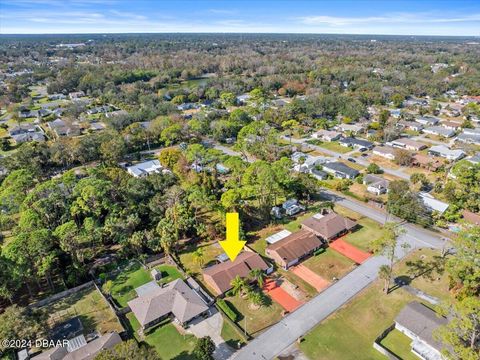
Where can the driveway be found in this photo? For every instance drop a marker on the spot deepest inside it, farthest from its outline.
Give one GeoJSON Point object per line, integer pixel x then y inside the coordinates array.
{"type": "Point", "coordinates": [212, 326]}
{"type": "Point", "coordinates": [310, 277]}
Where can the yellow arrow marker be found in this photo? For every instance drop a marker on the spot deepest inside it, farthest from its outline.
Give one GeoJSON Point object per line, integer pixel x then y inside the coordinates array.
{"type": "Point", "coordinates": [232, 246]}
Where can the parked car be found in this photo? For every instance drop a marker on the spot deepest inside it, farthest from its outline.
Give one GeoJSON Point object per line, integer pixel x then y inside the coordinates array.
{"type": "Point", "coordinates": [352, 160]}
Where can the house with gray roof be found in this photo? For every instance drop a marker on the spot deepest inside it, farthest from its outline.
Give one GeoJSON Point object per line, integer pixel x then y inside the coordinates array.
{"type": "Point", "coordinates": [375, 184]}
{"type": "Point", "coordinates": [419, 322]}
{"type": "Point", "coordinates": [445, 152]}
{"type": "Point", "coordinates": [356, 143]}
{"type": "Point", "coordinates": [174, 299]}
{"type": "Point", "coordinates": [439, 131]}
{"type": "Point", "coordinates": [340, 170]}
{"type": "Point", "coordinates": [433, 204]}
{"type": "Point", "coordinates": [428, 120]}
{"type": "Point", "coordinates": [26, 133]}
{"type": "Point", "coordinates": [468, 138]}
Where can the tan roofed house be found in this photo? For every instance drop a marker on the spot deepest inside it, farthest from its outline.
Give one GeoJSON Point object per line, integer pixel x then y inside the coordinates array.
{"type": "Point", "coordinates": [471, 217]}
{"type": "Point", "coordinates": [175, 298]}
{"type": "Point", "coordinates": [220, 276]}
{"type": "Point", "coordinates": [291, 249]}
{"type": "Point", "coordinates": [328, 226]}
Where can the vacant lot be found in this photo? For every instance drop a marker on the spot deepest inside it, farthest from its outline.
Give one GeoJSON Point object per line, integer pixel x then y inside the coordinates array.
{"type": "Point", "coordinates": [368, 231]}
{"type": "Point", "coordinates": [257, 320]}
{"type": "Point", "coordinates": [124, 284]}
{"type": "Point", "coordinates": [90, 306]}
{"type": "Point", "coordinates": [329, 265]}
{"type": "Point", "coordinates": [335, 146]}
{"type": "Point", "coordinates": [349, 333]}
{"type": "Point", "coordinates": [210, 252]}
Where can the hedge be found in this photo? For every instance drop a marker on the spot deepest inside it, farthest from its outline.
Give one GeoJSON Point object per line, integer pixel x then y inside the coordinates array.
{"type": "Point", "coordinates": [227, 310]}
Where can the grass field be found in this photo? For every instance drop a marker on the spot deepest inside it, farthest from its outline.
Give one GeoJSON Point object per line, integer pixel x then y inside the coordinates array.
{"type": "Point", "coordinates": [90, 306]}
{"type": "Point", "coordinates": [399, 344]}
{"type": "Point", "coordinates": [329, 264]}
{"type": "Point", "coordinates": [349, 333]}
{"type": "Point", "coordinates": [210, 251]}
{"type": "Point", "coordinates": [368, 231]}
{"type": "Point", "coordinates": [124, 284]}
{"type": "Point", "coordinates": [255, 320]}
{"type": "Point", "coordinates": [231, 336]}
{"type": "Point", "coordinates": [433, 282]}
{"type": "Point", "coordinates": [335, 146]}
{"type": "Point", "coordinates": [169, 273]}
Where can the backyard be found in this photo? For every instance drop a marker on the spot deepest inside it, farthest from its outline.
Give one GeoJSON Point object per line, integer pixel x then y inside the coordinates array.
{"type": "Point", "coordinates": [399, 344]}
{"type": "Point", "coordinates": [210, 252]}
{"type": "Point", "coordinates": [90, 306]}
{"type": "Point", "coordinates": [133, 276]}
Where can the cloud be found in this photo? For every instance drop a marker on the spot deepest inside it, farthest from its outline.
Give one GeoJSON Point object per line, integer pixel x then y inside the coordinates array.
{"type": "Point", "coordinates": [396, 18]}
{"type": "Point", "coordinates": [222, 11]}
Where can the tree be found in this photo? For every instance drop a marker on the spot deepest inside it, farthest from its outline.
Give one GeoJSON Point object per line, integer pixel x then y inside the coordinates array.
{"type": "Point", "coordinates": [169, 157]}
{"type": "Point", "coordinates": [462, 332]}
{"type": "Point", "coordinates": [128, 350]}
{"type": "Point", "coordinates": [204, 348]}
{"type": "Point", "coordinates": [290, 125]}
{"type": "Point", "coordinates": [403, 157]}
{"type": "Point", "coordinates": [199, 256]}
{"type": "Point", "coordinates": [404, 203]}
{"type": "Point", "coordinates": [258, 275]}
{"type": "Point", "coordinates": [374, 169]}
{"type": "Point", "coordinates": [256, 298]}
{"type": "Point", "coordinates": [107, 287]}
{"type": "Point", "coordinates": [387, 245]}
{"type": "Point", "coordinates": [384, 274]}
{"type": "Point", "coordinates": [238, 285]}
{"type": "Point", "coordinates": [463, 267]}
{"type": "Point", "coordinates": [113, 149]}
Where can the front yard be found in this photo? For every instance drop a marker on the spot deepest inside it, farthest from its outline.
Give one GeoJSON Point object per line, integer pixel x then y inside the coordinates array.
{"type": "Point", "coordinates": [330, 264]}
{"type": "Point", "coordinates": [368, 231]}
{"type": "Point", "coordinates": [335, 146]}
{"type": "Point", "coordinates": [255, 320]}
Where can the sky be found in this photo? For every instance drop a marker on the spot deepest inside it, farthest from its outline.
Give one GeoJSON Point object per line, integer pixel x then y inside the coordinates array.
{"type": "Point", "coordinates": [390, 17]}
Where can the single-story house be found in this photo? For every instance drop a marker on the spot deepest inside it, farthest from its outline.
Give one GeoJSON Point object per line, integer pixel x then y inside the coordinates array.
{"type": "Point", "coordinates": [428, 120]}
{"type": "Point", "coordinates": [86, 351]}
{"type": "Point", "coordinates": [445, 152]}
{"type": "Point", "coordinates": [375, 184]}
{"type": "Point", "coordinates": [175, 298]}
{"type": "Point", "coordinates": [354, 128]}
{"type": "Point", "coordinates": [97, 126]}
{"type": "Point", "coordinates": [471, 217]}
{"type": "Point", "coordinates": [426, 162]}
{"type": "Point", "coordinates": [411, 125]}
{"type": "Point", "coordinates": [272, 239]}
{"type": "Point", "coordinates": [145, 168]}
{"type": "Point", "coordinates": [328, 226]}
{"type": "Point", "coordinates": [292, 248]}
{"type": "Point", "coordinates": [419, 322]}
{"type": "Point", "coordinates": [474, 131]}
{"type": "Point", "coordinates": [408, 144]}
{"type": "Point", "coordinates": [468, 138]}
{"type": "Point", "coordinates": [395, 113]}
{"type": "Point", "coordinates": [219, 276]}
{"type": "Point", "coordinates": [384, 151]}
{"type": "Point", "coordinates": [451, 125]}
{"type": "Point", "coordinates": [340, 170]}
{"type": "Point", "coordinates": [62, 128]}
{"type": "Point", "coordinates": [439, 131]}
{"type": "Point", "coordinates": [76, 95]}
{"type": "Point", "coordinates": [356, 143]}
{"type": "Point", "coordinates": [27, 132]}
{"type": "Point", "coordinates": [57, 97]}
{"type": "Point", "coordinates": [319, 174]}
{"type": "Point", "coordinates": [433, 204]}
{"type": "Point", "coordinates": [327, 135]}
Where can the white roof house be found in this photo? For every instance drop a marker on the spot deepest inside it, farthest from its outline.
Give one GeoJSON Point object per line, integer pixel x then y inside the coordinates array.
{"type": "Point", "coordinates": [445, 152]}
{"type": "Point", "coordinates": [145, 168]}
{"type": "Point", "coordinates": [432, 203]}
{"type": "Point", "coordinates": [278, 236]}
{"type": "Point", "coordinates": [439, 131]}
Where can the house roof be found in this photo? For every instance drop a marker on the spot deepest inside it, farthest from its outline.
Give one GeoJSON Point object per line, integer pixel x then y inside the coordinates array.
{"type": "Point", "coordinates": [433, 203]}
{"type": "Point", "coordinates": [445, 151]}
{"type": "Point", "coordinates": [409, 142]}
{"type": "Point", "coordinates": [145, 167]}
{"type": "Point", "coordinates": [222, 274]}
{"type": "Point", "coordinates": [375, 181]}
{"type": "Point", "coordinates": [175, 298]}
{"type": "Point", "coordinates": [342, 168]}
{"type": "Point", "coordinates": [422, 321]}
{"type": "Point", "coordinates": [471, 217]}
{"type": "Point", "coordinates": [355, 141]}
{"type": "Point", "coordinates": [329, 225]}
{"type": "Point", "coordinates": [439, 130]}
{"type": "Point", "coordinates": [384, 150]}
{"type": "Point", "coordinates": [295, 245]}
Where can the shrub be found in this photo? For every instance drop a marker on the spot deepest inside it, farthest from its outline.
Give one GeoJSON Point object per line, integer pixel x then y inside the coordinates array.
{"type": "Point", "coordinates": [222, 304]}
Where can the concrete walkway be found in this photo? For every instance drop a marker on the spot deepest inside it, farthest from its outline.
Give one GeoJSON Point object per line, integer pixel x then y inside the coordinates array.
{"type": "Point", "coordinates": [212, 326]}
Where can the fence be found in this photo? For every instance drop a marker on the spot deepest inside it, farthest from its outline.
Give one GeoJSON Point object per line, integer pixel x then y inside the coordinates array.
{"type": "Point", "coordinates": [380, 348]}
{"type": "Point", "coordinates": [61, 295]}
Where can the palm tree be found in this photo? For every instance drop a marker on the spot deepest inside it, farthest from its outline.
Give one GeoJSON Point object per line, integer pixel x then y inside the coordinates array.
{"type": "Point", "coordinates": [238, 285]}
{"type": "Point", "coordinates": [256, 298]}
{"type": "Point", "coordinates": [199, 256]}
{"type": "Point", "coordinates": [384, 274]}
{"type": "Point", "coordinates": [259, 276]}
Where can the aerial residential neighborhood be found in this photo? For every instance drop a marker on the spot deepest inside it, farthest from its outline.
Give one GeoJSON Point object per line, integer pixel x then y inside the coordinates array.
{"type": "Point", "coordinates": [198, 180]}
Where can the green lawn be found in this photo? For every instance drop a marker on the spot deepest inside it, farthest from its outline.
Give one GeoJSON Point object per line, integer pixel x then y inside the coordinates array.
{"type": "Point", "coordinates": [124, 284]}
{"type": "Point", "coordinates": [399, 344]}
{"type": "Point", "coordinates": [329, 264]}
{"type": "Point", "coordinates": [210, 252]}
{"type": "Point", "coordinates": [255, 320]}
{"type": "Point", "coordinates": [349, 333]}
{"type": "Point", "coordinates": [335, 146]}
{"type": "Point", "coordinates": [92, 308]}
{"type": "Point", "coordinates": [367, 231]}
{"type": "Point", "coordinates": [166, 339]}
{"type": "Point", "coordinates": [433, 281]}
{"type": "Point", "coordinates": [169, 273]}
{"type": "Point", "coordinates": [230, 335]}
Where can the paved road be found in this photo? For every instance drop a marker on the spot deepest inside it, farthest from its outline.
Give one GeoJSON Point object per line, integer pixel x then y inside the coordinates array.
{"type": "Point", "coordinates": [283, 334]}
{"type": "Point", "coordinates": [359, 160]}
